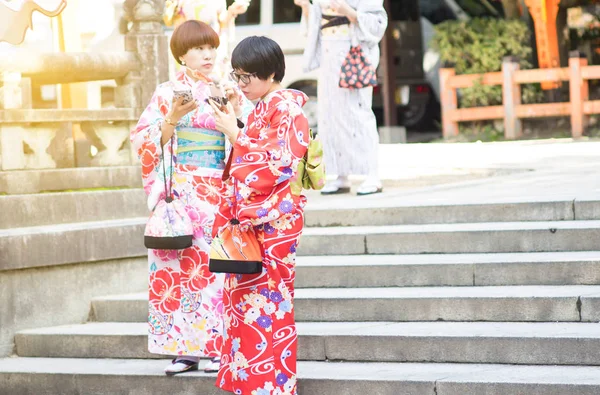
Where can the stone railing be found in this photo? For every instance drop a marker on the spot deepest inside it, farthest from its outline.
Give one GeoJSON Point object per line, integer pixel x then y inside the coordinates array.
{"type": "Point", "coordinates": [32, 138]}
{"type": "Point", "coordinates": [44, 138]}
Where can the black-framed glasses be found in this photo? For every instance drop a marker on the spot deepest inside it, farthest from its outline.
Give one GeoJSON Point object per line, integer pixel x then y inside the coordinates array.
{"type": "Point", "coordinates": [244, 78]}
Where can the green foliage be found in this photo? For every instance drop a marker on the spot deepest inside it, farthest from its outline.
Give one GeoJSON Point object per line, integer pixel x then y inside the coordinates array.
{"type": "Point", "coordinates": [482, 131]}
{"type": "Point", "coordinates": [478, 46]}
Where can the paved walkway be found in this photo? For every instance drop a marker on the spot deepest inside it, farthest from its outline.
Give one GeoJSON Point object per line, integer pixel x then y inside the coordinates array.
{"type": "Point", "coordinates": [429, 174]}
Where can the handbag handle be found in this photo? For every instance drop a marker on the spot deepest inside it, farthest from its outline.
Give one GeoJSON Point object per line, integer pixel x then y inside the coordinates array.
{"type": "Point", "coordinates": [227, 168]}
{"type": "Point", "coordinates": [168, 192]}
{"type": "Point", "coordinates": [353, 36]}
{"type": "Point", "coordinates": [226, 175]}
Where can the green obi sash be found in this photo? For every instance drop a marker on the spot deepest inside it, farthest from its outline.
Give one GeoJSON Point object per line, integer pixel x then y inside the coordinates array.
{"type": "Point", "coordinates": [201, 148]}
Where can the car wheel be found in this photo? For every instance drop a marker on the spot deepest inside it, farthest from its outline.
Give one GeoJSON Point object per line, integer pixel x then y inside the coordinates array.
{"type": "Point", "coordinates": [421, 116]}
{"type": "Point", "coordinates": [311, 110]}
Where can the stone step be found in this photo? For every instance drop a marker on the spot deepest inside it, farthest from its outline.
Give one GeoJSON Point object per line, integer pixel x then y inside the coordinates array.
{"type": "Point", "coordinates": [71, 243]}
{"type": "Point", "coordinates": [123, 238]}
{"type": "Point", "coordinates": [100, 205]}
{"type": "Point", "coordinates": [18, 182]}
{"type": "Point", "coordinates": [488, 237]}
{"type": "Point", "coordinates": [53, 376]}
{"type": "Point", "coordinates": [506, 303]}
{"type": "Point", "coordinates": [440, 342]}
{"type": "Point", "coordinates": [44, 180]}
{"type": "Point", "coordinates": [71, 207]}
{"type": "Point", "coordinates": [392, 211]}
{"type": "Point", "coordinates": [535, 268]}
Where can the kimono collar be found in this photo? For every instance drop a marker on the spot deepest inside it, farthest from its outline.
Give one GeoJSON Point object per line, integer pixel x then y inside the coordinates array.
{"type": "Point", "coordinates": [185, 79]}
{"type": "Point", "coordinates": [296, 96]}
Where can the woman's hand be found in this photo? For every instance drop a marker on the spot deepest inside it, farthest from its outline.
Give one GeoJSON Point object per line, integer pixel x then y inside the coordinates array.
{"type": "Point", "coordinates": [179, 110]}
{"type": "Point", "coordinates": [305, 5]}
{"type": "Point", "coordinates": [237, 8]}
{"type": "Point", "coordinates": [341, 7]}
{"type": "Point", "coordinates": [233, 97]}
{"type": "Point", "coordinates": [302, 3]}
{"type": "Point", "coordinates": [226, 121]}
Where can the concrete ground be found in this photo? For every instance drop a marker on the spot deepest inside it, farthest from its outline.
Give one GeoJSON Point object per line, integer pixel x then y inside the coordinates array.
{"type": "Point", "coordinates": [427, 174]}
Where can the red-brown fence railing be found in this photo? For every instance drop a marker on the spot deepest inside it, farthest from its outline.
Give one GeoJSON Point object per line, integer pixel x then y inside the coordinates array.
{"type": "Point", "coordinates": [512, 111]}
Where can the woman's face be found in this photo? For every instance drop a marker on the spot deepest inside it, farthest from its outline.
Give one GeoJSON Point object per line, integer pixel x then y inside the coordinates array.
{"type": "Point", "coordinates": [201, 58]}
{"type": "Point", "coordinates": [252, 87]}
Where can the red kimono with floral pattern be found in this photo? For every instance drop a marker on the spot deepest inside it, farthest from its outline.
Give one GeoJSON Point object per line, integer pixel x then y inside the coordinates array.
{"type": "Point", "coordinates": [259, 351]}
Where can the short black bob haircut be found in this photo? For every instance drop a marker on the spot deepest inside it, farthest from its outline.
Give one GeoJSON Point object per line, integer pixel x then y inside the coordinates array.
{"type": "Point", "coordinates": [261, 56]}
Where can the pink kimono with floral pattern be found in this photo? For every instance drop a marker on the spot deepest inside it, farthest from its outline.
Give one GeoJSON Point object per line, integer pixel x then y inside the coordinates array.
{"type": "Point", "coordinates": [185, 298]}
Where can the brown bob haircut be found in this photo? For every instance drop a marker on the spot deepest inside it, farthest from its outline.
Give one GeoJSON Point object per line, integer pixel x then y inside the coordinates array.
{"type": "Point", "coordinates": [192, 34]}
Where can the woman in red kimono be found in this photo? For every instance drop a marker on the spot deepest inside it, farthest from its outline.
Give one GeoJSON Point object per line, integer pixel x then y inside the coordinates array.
{"type": "Point", "coordinates": [259, 352]}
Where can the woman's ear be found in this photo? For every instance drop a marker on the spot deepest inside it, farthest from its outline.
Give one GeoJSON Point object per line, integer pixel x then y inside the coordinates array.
{"type": "Point", "coordinates": [272, 77]}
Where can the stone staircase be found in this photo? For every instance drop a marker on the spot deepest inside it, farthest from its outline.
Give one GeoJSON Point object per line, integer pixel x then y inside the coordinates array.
{"type": "Point", "coordinates": [447, 299]}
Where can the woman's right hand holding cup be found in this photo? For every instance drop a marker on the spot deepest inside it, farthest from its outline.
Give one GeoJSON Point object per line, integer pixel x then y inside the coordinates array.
{"type": "Point", "coordinates": [179, 110]}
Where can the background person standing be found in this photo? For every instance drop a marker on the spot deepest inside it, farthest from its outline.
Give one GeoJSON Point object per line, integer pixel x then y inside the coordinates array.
{"type": "Point", "coordinates": [347, 124]}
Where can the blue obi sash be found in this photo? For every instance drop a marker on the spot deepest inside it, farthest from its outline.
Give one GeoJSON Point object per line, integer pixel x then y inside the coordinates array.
{"type": "Point", "coordinates": [201, 148]}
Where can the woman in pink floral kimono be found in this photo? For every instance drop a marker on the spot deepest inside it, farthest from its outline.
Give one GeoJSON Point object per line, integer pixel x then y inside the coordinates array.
{"type": "Point", "coordinates": [185, 298]}
{"type": "Point", "coordinates": [259, 351]}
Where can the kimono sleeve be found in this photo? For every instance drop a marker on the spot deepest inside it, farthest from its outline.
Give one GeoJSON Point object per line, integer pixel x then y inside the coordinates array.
{"type": "Point", "coordinates": [263, 163]}
{"type": "Point", "coordinates": [147, 134]}
{"type": "Point", "coordinates": [247, 108]}
{"type": "Point", "coordinates": [221, 12]}
{"type": "Point", "coordinates": [371, 22]}
{"type": "Point", "coordinates": [312, 53]}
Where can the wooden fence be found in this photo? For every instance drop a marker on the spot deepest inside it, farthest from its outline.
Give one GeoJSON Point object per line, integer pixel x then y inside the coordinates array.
{"type": "Point", "coordinates": [512, 111]}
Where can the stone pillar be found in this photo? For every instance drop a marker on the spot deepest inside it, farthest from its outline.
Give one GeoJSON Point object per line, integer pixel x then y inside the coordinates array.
{"type": "Point", "coordinates": [147, 39]}
{"type": "Point", "coordinates": [11, 135]}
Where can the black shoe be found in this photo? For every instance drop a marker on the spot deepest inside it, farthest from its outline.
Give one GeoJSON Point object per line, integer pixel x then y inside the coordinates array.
{"type": "Point", "coordinates": [213, 366]}
{"type": "Point", "coordinates": [185, 366]}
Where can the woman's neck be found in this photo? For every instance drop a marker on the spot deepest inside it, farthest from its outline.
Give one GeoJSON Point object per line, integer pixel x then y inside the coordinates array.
{"type": "Point", "coordinates": [275, 87]}
{"type": "Point", "coordinates": [190, 75]}
{"type": "Point", "coordinates": [196, 75]}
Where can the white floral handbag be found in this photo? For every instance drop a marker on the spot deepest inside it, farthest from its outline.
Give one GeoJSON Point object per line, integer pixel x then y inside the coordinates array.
{"type": "Point", "coordinates": [169, 226]}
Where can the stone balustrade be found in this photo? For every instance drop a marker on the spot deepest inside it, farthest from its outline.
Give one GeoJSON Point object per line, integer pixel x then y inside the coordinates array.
{"type": "Point", "coordinates": [34, 138]}
{"type": "Point", "coordinates": [63, 68]}
{"type": "Point", "coordinates": [46, 138]}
